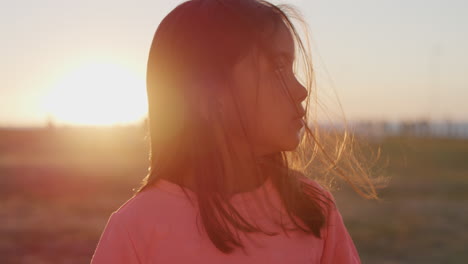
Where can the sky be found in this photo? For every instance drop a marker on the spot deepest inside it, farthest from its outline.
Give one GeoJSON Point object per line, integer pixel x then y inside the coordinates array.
{"type": "Point", "coordinates": [392, 60]}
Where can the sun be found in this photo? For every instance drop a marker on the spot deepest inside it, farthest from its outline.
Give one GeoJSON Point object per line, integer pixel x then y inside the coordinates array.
{"type": "Point", "coordinates": [97, 94]}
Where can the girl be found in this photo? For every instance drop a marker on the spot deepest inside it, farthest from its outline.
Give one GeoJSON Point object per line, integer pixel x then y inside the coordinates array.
{"type": "Point", "coordinates": [229, 137]}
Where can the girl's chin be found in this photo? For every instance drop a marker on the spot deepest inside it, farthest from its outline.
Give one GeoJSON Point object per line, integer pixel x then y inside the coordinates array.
{"type": "Point", "coordinates": [289, 141]}
{"type": "Point", "coordinates": [293, 140]}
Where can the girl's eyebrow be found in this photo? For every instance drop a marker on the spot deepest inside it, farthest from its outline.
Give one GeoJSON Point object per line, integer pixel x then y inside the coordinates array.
{"type": "Point", "coordinates": [287, 55]}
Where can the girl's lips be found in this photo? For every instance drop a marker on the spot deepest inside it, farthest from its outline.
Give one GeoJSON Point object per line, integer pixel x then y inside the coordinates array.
{"type": "Point", "coordinates": [299, 122]}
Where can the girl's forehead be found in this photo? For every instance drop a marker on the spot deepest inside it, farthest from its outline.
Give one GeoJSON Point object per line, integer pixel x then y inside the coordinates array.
{"type": "Point", "coordinates": [283, 43]}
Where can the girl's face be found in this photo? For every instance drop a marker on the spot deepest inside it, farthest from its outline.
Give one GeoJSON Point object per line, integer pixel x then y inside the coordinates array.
{"type": "Point", "coordinates": [271, 115]}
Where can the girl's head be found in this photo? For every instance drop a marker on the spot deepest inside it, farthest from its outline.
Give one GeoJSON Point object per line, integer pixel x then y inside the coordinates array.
{"type": "Point", "coordinates": [227, 64]}
{"type": "Point", "coordinates": [224, 85]}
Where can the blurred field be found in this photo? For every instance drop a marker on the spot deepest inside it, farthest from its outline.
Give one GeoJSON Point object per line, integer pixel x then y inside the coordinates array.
{"type": "Point", "coordinates": [423, 217]}
{"type": "Point", "coordinates": [59, 186]}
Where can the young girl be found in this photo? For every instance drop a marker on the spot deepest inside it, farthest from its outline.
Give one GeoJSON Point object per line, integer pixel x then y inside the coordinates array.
{"type": "Point", "coordinates": [229, 137]}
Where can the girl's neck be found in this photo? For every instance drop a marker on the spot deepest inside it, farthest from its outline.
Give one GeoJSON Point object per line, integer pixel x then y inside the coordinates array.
{"type": "Point", "coordinates": [239, 182]}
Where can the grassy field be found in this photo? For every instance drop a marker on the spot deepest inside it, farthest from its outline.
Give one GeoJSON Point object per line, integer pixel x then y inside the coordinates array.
{"type": "Point", "coordinates": [58, 188]}
{"type": "Point", "coordinates": [423, 215]}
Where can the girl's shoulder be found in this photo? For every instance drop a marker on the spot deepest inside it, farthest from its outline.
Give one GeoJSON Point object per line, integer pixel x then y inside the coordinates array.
{"type": "Point", "coordinates": [150, 205]}
{"type": "Point", "coordinates": [316, 186]}
{"type": "Point", "coordinates": [139, 223]}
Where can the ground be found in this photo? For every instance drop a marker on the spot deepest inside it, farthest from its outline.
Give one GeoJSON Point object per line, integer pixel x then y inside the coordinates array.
{"type": "Point", "coordinates": [58, 188]}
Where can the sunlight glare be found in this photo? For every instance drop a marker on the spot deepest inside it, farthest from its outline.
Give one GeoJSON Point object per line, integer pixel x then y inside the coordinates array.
{"type": "Point", "coordinates": [98, 94]}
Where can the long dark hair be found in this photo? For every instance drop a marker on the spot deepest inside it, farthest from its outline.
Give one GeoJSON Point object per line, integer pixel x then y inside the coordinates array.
{"type": "Point", "coordinates": [192, 53]}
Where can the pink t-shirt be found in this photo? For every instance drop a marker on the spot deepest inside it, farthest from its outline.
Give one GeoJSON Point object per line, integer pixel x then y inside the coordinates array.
{"type": "Point", "coordinates": [159, 225]}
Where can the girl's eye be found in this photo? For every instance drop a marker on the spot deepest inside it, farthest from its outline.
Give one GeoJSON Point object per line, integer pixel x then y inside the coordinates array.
{"type": "Point", "coordinates": [283, 69]}
{"type": "Point", "coordinates": [280, 69]}
{"type": "Point", "coordinates": [280, 65]}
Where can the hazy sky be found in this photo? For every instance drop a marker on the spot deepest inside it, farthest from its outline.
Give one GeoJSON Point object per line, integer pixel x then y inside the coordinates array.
{"type": "Point", "coordinates": [389, 59]}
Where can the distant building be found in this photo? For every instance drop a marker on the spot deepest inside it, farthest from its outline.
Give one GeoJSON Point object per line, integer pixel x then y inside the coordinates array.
{"type": "Point", "coordinates": [50, 123]}
{"type": "Point", "coordinates": [417, 128]}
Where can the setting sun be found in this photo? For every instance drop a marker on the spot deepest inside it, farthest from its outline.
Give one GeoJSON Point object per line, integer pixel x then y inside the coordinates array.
{"type": "Point", "coordinates": [97, 94]}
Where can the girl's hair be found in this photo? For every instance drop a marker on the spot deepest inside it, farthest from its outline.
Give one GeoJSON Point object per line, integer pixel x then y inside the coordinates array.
{"type": "Point", "coordinates": [191, 57]}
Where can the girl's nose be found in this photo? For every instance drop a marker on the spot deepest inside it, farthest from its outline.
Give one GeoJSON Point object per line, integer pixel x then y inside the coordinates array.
{"type": "Point", "coordinates": [301, 93]}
